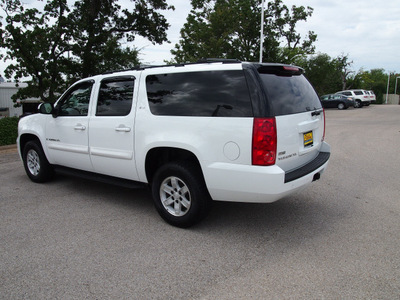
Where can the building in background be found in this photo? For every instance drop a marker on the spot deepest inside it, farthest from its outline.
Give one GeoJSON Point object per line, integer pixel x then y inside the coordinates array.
{"type": "Point", "coordinates": [7, 109]}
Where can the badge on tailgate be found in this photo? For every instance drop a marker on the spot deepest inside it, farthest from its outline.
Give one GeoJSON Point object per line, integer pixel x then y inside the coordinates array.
{"type": "Point", "coordinates": [308, 139]}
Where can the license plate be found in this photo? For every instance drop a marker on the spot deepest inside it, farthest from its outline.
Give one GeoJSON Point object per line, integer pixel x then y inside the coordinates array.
{"type": "Point", "coordinates": [308, 139]}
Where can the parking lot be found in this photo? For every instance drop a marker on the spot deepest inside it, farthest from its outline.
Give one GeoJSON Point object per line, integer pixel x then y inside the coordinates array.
{"type": "Point", "coordinates": [339, 239]}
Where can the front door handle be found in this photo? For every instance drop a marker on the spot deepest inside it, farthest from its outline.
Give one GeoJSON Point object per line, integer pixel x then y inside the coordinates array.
{"type": "Point", "coordinates": [79, 127]}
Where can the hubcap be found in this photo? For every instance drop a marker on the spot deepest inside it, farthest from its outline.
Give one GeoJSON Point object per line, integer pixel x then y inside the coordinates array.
{"type": "Point", "coordinates": [33, 162]}
{"type": "Point", "coordinates": [175, 196]}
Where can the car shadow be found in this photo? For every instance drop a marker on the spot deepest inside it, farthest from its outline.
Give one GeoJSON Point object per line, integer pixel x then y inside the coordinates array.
{"type": "Point", "coordinates": [292, 220]}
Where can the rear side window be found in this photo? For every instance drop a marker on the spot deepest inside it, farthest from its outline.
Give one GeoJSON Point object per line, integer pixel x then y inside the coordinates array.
{"type": "Point", "coordinates": [289, 94]}
{"type": "Point", "coordinates": [358, 93]}
{"type": "Point", "coordinates": [209, 93]}
{"type": "Point", "coordinates": [115, 97]}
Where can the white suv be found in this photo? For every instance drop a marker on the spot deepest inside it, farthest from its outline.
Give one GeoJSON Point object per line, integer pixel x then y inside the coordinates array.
{"type": "Point", "coordinates": [361, 97]}
{"type": "Point", "coordinates": [228, 131]}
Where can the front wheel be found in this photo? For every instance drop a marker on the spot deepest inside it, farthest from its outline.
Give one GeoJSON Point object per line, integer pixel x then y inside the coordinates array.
{"type": "Point", "coordinates": [36, 165]}
{"type": "Point", "coordinates": [180, 194]}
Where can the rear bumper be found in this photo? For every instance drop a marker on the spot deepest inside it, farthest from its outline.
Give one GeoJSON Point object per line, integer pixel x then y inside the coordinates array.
{"type": "Point", "coordinates": [255, 184]}
{"type": "Point", "coordinates": [319, 161]}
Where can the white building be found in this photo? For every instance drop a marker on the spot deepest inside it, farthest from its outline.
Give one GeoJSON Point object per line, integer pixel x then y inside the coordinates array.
{"type": "Point", "coordinates": [7, 109]}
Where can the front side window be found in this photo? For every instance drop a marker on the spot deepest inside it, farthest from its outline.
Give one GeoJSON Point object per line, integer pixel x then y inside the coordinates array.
{"type": "Point", "coordinates": [208, 93]}
{"type": "Point", "coordinates": [76, 101]}
{"type": "Point", "coordinates": [115, 97]}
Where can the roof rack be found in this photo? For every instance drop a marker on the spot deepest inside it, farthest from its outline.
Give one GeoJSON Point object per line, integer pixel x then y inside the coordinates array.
{"type": "Point", "coordinates": [200, 61]}
{"type": "Point", "coordinates": [223, 60]}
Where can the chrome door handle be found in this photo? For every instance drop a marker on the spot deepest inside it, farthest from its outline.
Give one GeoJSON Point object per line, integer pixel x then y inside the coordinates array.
{"type": "Point", "coordinates": [79, 127]}
{"type": "Point", "coordinates": [123, 129]}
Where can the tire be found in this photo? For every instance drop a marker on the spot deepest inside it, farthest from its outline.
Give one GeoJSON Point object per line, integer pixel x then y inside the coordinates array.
{"type": "Point", "coordinates": [180, 194]}
{"type": "Point", "coordinates": [341, 106]}
{"type": "Point", "coordinates": [357, 104]}
{"type": "Point", "coordinates": [36, 164]}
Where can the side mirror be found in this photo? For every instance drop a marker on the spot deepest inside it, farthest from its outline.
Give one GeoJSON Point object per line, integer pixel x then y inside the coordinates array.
{"type": "Point", "coordinates": [45, 108]}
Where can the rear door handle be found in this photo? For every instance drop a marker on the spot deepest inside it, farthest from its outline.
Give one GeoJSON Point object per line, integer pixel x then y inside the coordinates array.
{"type": "Point", "coordinates": [123, 129]}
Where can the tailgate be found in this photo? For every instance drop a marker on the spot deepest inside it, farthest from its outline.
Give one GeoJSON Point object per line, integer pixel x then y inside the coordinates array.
{"type": "Point", "coordinates": [299, 138]}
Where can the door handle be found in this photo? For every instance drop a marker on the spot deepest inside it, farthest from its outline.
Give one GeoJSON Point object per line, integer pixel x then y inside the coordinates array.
{"type": "Point", "coordinates": [79, 127]}
{"type": "Point", "coordinates": [123, 129]}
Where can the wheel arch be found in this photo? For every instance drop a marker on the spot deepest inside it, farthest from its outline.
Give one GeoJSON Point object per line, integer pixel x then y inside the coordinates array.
{"type": "Point", "coordinates": [27, 137]}
{"type": "Point", "coordinates": [159, 156]}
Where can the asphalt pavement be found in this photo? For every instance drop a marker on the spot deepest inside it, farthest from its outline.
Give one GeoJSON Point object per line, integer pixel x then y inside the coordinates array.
{"type": "Point", "coordinates": [338, 239]}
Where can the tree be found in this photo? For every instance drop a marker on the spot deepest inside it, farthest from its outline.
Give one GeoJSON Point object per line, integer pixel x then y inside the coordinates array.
{"type": "Point", "coordinates": [323, 72]}
{"type": "Point", "coordinates": [103, 24]}
{"type": "Point", "coordinates": [375, 80]}
{"type": "Point", "coordinates": [231, 29]}
{"type": "Point", "coordinates": [344, 65]}
{"type": "Point", "coordinates": [36, 47]}
{"type": "Point", "coordinates": [328, 75]}
{"type": "Point", "coordinates": [60, 43]}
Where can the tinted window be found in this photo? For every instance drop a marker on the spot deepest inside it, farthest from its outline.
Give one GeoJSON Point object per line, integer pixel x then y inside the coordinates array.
{"type": "Point", "coordinates": [76, 101]}
{"type": "Point", "coordinates": [290, 94]}
{"type": "Point", "coordinates": [212, 93]}
{"type": "Point", "coordinates": [358, 92]}
{"type": "Point", "coordinates": [115, 97]}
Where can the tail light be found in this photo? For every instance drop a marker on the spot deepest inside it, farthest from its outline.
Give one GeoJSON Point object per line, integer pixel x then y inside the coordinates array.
{"type": "Point", "coordinates": [264, 141]}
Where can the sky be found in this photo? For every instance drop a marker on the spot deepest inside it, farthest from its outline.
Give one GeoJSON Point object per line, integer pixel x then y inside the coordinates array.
{"type": "Point", "coordinates": [368, 31]}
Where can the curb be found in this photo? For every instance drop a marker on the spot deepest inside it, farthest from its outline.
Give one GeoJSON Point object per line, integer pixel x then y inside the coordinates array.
{"type": "Point", "coordinates": [8, 147]}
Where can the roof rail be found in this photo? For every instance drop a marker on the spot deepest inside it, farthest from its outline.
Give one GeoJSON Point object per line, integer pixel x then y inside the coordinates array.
{"type": "Point", "coordinates": [223, 60]}
{"type": "Point", "coordinates": [200, 61]}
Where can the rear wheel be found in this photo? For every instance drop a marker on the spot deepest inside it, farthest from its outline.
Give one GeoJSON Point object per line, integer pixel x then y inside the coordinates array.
{"type": "Point", "coordinates": [180, 194]}
{"type": "Point", "coordinates": [36, 165]}
{"type": "Point", "coordinates": [358, 104]}
{"type": "Point", "coordinates": [341, 106]}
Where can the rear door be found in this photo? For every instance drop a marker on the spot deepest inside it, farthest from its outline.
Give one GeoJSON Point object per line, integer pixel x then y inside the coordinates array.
{"type": "Point", "coordinates": [111, 128]}
{"type": "Point", "coordinates": [299, 116]}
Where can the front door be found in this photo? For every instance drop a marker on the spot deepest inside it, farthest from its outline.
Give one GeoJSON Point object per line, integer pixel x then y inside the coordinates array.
{"type": "Point", "coordinates": [67, 134]}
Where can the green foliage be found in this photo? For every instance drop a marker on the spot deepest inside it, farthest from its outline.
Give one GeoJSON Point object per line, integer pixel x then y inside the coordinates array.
{"type": "Point", "coordinates": [376, 80]}
{"type": "Point", "coordinates": [324, 73]}
{"type": "Point", "coordinates": [231, 29]}
{"type": "Point", "coordinates": [8, 131]}
{"type": "Point", "coordinates": [61, 43]}
{"type": "Point", "coordinates": [327, 75]}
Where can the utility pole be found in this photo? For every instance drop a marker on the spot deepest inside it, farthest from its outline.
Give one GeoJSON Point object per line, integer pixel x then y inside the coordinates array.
{"type": "Point", "coordinates": [387, 91]}
{"type": "Point", "coordinates": [262, 31]}
{"type": "Point", "coordinates": [395, 87]}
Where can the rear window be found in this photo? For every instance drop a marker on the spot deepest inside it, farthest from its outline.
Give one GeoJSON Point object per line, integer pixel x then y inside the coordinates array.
{"type": "Point", "coordinates": [290, 94]}
{"type": "Point", "coordinates": [208, 93]}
